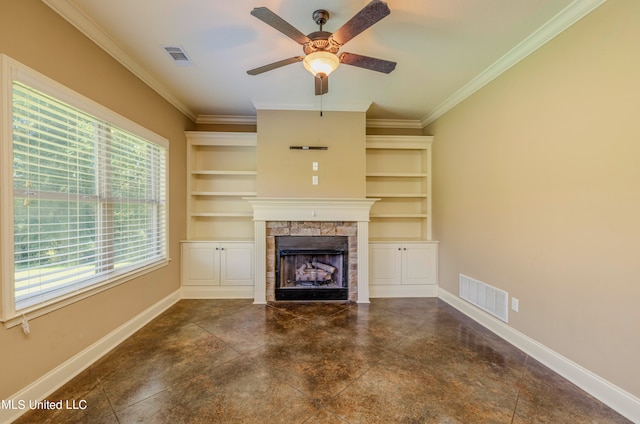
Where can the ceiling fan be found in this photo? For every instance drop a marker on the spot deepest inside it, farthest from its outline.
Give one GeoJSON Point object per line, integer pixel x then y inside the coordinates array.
{"type": "Point", "coordinates": [321, 47]}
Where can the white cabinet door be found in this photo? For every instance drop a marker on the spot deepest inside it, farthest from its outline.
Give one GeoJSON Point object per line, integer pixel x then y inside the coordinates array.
{"type": "Point", "coordinates": [236, 264]}
{"type": "Point", "coordinates": [385, 264]}
{"type": "Point", "coordinates": [201, 264]}
{"type": "Point", "coordinates": [419, 264]}
{"type": "Point", "coordinates": [402, 263]}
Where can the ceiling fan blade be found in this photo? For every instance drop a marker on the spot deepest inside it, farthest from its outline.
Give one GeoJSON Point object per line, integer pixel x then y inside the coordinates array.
{"type": "Point", "coordinates": [322, 84]}
{"type": "Point", "coordinates": [274, 65]}
{"type": "Point", "coordinates": [366, 62]}
{"type": "Point", "coordinates": [367, 16]}
{"type": "Point", "coordinates": [270, 18]}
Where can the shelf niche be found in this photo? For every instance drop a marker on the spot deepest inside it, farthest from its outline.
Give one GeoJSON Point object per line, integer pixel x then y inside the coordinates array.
{"type": "Point", "coordinates": [398, 172]}
{"type": "Point", "coordinates": [222, 170]}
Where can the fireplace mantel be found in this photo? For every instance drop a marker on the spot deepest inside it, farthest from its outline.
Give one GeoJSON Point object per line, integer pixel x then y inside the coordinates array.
{"type": "Point", "coordinates": [311, 209]}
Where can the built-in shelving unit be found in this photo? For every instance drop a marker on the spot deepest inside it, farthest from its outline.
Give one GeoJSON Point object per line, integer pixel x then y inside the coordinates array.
{"type": "Point", "coordinates": [218, 255]}
{"type": "Point", "coordinates": [399, 174]}
{"type": "Point", "coordinates": [222, 170]}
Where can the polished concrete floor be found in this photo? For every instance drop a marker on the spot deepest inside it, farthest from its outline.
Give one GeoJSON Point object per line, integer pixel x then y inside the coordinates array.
{"type": "Point", "coordinates": [393, 361]}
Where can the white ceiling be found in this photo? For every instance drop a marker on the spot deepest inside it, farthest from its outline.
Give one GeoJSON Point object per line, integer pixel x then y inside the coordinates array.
{"type": "Point", "coordinates": [445, 50]}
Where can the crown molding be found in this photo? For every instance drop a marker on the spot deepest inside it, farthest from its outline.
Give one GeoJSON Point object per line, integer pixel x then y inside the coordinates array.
{"type": "Point", "coordinates": [251, 120]}
{"type": "Point", "coordinates": [394, 123]}
{"type": "Point", "coordinates": [333, 107]}
{"type": "Point", "coordinates": [556, 25]}
{"type": "Point", "coordinates": [226, 119]}
{"type": "Point", "coordinates": [76, 17]}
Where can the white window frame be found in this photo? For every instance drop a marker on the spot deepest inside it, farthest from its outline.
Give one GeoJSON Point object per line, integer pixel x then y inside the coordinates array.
{"type": "Point", "coordinates": [10, 71]}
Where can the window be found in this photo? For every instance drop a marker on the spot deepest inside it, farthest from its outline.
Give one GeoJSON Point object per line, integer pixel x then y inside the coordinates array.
{"type": "Point", "coordinates": [89, 196]}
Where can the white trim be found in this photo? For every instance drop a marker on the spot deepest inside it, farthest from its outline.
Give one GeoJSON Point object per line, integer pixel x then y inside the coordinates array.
{"type": "Point", "coordinates": [556, 25]}
{"type": "Point", "coordinates": [63, 373]}
{"type": "Point", "coordinates": [616, 398]}
{"type": "Point", "coordinates": [260, 261]}
{"type": "Point", "coordinates": [226, 119]}
{"type": "Point", "coordinates": [6, 194]}
{"type": "Point", "coordinates": [363, 261]}
{"type": "Point", "coordinates": [394, 123]}
{"type": "Point", "coordinates": [310, 209]}
{"type": "Point", "coordinates": [413, 142]}
{"type": "Point", "coordinates": [252, 120]}
{"type": "Point", "coordinates": [76, 17]}
{"type": "Point", "coordinates": [362, 106]}
{"type": "Point", "coordinates": [217, 292]}
{"type": "Point", "coordinates": [417, 290]}
{"type": "Point", "coordinates": [205, 138]}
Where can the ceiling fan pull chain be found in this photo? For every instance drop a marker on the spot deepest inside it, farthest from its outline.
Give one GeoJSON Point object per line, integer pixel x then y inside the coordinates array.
{"type": "Point", "coordinates": [321, 95]}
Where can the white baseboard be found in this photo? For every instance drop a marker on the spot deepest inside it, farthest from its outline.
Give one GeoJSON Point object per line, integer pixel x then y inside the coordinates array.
{"type": "Point", "coordinates": [422, 290]}
{"type": "Point", "coordinates": [217, 292]}
{"type": "Point", "coordinates": [621, 401]}
{"type": "Point", "coordinates": [54, 379]}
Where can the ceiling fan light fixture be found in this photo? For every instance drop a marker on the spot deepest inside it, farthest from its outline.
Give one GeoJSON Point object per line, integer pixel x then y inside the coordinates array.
{"type": "Point", "coordinates": [321, 62]}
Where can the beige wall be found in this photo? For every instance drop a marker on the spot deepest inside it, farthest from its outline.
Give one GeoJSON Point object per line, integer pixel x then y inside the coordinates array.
{"type": "Point", "coordinates": [537, 191]}
{"type": "Point", "coordinates": [287, 173]}
{"type": "Point", "coordinates": [36, 36]}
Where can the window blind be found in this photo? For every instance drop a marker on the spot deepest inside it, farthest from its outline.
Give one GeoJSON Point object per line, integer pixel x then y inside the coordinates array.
{"type": "Point", "coordinates": [89, 199]}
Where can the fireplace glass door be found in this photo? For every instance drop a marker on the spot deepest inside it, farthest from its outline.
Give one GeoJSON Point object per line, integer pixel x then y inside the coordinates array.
{"type": "Point", "coordinates": [312, 268]}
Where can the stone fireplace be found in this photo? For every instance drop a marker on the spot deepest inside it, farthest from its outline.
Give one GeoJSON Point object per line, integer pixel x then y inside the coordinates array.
{"type": "Point", "coordinates": [287, 231]}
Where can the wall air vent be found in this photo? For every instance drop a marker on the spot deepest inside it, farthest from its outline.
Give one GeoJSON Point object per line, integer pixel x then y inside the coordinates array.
{"type": "Point", "coordinates": [485, 297]}
{"type": "Point", "coordinates": [178, 55]}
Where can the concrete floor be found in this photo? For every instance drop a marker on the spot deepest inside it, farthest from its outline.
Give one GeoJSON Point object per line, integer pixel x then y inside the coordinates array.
{"type": "Point", "coordinates": [393, 361]}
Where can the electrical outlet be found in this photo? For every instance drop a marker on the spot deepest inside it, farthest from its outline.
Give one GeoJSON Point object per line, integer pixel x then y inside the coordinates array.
{"type": "Point", "coordinates": [314, 180]}
{"type": "Point", "coordinates": [315, 166]}
{"type": "Point", "coordinates": [514, 304]}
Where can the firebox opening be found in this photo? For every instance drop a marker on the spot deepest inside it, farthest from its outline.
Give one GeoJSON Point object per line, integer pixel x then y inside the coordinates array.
{"type": "Point", "coordinates": [312, 268]}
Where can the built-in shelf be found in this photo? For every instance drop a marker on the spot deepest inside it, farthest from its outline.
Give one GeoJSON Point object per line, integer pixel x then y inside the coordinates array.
{"type": "Point", "coordinates": [399, 174]}
{"type": "Point", "coordinates": [222, 171]}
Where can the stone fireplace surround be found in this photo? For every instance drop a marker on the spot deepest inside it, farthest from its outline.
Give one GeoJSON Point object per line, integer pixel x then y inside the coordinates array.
{"type": "Point", "coordinates": [314, 229]}
{"type": "Point", "coordinates": [310, 216]}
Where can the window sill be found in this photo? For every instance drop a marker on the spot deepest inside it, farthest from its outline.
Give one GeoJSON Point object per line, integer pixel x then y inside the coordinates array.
{"type": "Point", "coordinates": [43, 309]}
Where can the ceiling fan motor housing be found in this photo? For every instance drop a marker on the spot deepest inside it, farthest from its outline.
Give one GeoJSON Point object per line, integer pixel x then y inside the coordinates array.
{"type": "Point", "coordinates": [320, 39]}
{"type": "Point", "coordinates": [320, 42]}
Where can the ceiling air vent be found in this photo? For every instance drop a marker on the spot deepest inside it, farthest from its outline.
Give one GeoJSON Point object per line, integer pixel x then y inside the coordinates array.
{"type": "Point", "coordinates": [178, 55]}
